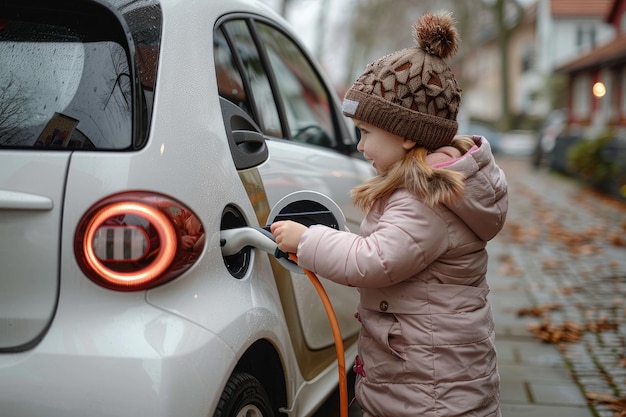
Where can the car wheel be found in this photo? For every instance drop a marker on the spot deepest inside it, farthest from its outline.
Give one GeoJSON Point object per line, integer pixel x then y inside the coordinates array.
{"type": "Point", "coordinates": [243, 396]}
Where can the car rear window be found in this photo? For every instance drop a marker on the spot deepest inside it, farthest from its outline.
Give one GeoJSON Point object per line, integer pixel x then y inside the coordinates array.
{"type": "Point", "coordinates": [65, 81]}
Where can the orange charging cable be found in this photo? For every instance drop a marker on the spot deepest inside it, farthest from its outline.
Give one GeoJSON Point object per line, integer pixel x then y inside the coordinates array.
{"type": "Point", "coordinates": [334, 324]}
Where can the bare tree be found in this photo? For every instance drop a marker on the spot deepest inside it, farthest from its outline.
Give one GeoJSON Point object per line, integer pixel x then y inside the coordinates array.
{"type": "Point", "coordinates": [13, 113]}
{"type": "Point", "coordinates": [506, 23]}
{"type": "Point", "coordinates": [118, 79]}
{"type": "Point", "coordinates": [380, 27]}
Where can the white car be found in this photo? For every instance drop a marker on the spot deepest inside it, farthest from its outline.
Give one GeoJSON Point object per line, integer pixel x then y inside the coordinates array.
{"type": "Point", "coordinates": [132, 133]}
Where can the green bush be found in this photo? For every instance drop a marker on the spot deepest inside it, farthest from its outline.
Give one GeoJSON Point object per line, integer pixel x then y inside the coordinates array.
{"type": "Point", "coordinates": [587, 160]}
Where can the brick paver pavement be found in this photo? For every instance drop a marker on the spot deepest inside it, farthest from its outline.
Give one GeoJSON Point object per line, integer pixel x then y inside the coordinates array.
{"type": "Point", "coordinates": [561, 259]}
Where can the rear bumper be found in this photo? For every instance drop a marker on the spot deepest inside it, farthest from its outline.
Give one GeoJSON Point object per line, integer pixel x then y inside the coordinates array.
{"type": "Point", "coordinates": [144, 362]}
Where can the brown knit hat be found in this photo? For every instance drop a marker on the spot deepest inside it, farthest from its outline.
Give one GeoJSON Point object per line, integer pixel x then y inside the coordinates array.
{"type": "Point", "coordinates": [412, 93]}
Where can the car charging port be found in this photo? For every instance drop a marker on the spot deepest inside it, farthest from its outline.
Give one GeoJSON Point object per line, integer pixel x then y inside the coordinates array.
{"type": "Point", "coordinates": [305, 207]}
{"type": "Point", "coordinates": [237, 263]}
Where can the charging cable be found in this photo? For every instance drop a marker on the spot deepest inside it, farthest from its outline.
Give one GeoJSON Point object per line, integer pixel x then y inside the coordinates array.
{"type": "Point", "coordinates": [334, 324]}
{"type": "Point", "coordinates": [233, 240]}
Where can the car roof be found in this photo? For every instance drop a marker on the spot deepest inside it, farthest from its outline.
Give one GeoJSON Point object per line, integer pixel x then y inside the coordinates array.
{"type": "Point", "coordinates": [130, 9]}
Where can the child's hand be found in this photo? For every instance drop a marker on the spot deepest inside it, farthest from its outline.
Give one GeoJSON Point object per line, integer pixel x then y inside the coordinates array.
{"type": "Point", "coordinates": [287, 235]}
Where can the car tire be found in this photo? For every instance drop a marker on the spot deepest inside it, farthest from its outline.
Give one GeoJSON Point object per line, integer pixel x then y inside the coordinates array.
{"type": "Point", "coordinates": [244, 396]}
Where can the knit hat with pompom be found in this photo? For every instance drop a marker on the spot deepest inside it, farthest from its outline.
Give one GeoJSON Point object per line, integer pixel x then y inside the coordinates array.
{"type": "Point", "coordinates": [412, 93]}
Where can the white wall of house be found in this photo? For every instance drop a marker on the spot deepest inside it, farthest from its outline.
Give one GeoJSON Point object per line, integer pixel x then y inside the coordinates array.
{"type": "Point", "coordinates": [562, 39]}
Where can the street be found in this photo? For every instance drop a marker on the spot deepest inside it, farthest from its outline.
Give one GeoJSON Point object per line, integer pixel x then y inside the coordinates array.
{"type": "Point", "coordinates": [558, 277]}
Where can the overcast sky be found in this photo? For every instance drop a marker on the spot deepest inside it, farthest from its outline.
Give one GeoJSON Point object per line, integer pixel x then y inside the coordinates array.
{"type": "Point", "coordinates": [304, 15]}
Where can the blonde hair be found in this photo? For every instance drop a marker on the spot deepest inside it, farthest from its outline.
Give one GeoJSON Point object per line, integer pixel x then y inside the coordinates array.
{"type": "Point", "coordinates": [432, 185]}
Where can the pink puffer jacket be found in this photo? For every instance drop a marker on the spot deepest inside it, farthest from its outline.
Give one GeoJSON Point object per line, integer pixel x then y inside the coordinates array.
{"type": "Point", "coordinates": [427, 338]}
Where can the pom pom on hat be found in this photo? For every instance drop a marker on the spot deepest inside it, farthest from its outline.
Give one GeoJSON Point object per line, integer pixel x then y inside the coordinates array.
{"type": "Point", "coordinates": [412, 92]}
{"type": "Point", "coordinates": [436, 34]}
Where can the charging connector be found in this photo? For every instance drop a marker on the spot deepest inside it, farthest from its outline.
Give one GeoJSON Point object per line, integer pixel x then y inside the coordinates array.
{"type": "Point", "coordinates": [234, 240]}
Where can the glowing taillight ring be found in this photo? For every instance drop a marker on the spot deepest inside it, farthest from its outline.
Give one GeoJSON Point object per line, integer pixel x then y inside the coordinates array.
{"type": "Point", "coordinates": [163, 227]}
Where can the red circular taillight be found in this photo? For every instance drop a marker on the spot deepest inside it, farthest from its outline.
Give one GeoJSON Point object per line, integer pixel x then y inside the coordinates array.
{"type": "Point", "coordinates": [135, 241]}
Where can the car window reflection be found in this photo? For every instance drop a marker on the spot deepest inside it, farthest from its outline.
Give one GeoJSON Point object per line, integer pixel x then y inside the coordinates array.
{"type": "Point", "coordinates": [263, 97]}
{"type": "Point", "coordinates": [61, 92]}
{"type": "Point", "coordinates": [303, 95]}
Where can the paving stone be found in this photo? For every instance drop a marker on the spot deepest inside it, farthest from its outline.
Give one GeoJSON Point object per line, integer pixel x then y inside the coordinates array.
{"type": "Point", "coordinates": [514, 392]}
{"type": "Point", "coordinates": [557, 394]}
{"type": "Point", "coordinates": [518, 373]}
{"type": "Point", "coordinates": [520, 410]}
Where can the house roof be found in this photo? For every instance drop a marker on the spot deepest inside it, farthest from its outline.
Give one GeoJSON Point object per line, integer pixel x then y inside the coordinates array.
{"type": "Point", "coordinates": [581, 8]}
{"type": "Point", "coordinates": [602, 57]}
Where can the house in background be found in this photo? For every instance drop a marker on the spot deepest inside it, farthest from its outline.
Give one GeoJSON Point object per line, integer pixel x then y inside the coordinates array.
{"type": "Point", "coordinates": [593, 144]}
{"type": "Point", "coordinates": [526, 82]}
{"type": "Point", "coordinates": [477, 68]}
{"type": "Point", "coordinates": [567, 29]}
{"type": "Point", "coordinates": [596, 82]}
{"type": "Point", "coordinates": [551, 33]}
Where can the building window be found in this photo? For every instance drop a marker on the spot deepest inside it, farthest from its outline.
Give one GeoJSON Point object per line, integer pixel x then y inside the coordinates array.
{"type": "Point", "coordinates": [528, 58]}
{"type": "Point", "coordinates": [586, 37]}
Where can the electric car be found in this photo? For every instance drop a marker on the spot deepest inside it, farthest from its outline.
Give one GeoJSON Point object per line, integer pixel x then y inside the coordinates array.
{"type": "Point", "coordinates": [133, 133]}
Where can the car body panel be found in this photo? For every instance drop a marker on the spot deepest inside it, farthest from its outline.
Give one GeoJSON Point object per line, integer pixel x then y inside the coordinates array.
{"type": "Point", "coordinates": [81, 366]}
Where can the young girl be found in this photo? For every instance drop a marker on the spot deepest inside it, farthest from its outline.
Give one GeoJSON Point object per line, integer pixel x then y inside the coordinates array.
{"type": "Point", "coordinates": [426, 346]}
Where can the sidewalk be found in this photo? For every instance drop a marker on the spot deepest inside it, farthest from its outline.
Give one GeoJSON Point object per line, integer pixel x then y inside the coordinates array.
{"type": "Point", "coordinates": [535, 380]}
{"type": "Point", "coordinates": [558, 271]}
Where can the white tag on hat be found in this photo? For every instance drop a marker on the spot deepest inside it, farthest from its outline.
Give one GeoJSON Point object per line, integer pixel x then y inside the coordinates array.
{"type": "Point", "coordinates": [349, 106]}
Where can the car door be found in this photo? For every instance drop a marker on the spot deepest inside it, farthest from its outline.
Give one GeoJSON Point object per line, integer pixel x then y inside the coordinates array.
{"type": "Point", "coordinates": [264, 72]}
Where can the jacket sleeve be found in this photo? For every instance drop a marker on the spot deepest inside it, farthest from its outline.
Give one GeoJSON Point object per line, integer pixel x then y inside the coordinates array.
{"type": "Point", "coordinates": [407, 237]}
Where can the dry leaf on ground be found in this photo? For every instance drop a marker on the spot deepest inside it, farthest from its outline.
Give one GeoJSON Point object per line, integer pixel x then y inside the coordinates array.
{"type": "Point", "coordinates": [538, 311]}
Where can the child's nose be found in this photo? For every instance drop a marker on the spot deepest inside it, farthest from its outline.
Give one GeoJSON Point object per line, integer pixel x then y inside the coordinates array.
{"type": "Point", "coordinates": [359, 146]}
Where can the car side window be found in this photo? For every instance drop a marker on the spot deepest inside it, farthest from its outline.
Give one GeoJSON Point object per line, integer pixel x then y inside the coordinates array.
{"type": "Point", "coordinates": [254, 71]}
{"type": "Point", "coordinates": [306, 102]}
{"type": "Point", "coordinates": [229, 81]}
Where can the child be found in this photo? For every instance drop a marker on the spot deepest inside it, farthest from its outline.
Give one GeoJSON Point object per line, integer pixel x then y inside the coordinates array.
{"type": "Point", "coordinates": [427, 341]}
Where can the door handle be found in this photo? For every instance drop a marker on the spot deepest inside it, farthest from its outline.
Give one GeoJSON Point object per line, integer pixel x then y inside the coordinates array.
{"type": "Point", "coordinates": [248, 136]}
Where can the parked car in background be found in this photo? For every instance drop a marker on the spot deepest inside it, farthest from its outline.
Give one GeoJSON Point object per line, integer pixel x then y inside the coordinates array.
{"type": "Point", "coordinates": [553, 127]}
{"type": "Point", "coordinates": [481, 129]}
{"type": "Point", "coordinates": [132, 133]}
{"type": "Point", "coordinates": [518, 142]}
